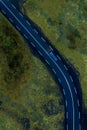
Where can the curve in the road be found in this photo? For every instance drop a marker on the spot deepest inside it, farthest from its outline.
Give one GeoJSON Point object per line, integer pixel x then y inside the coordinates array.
{"type": "Point", "coordinates": [73, 114]}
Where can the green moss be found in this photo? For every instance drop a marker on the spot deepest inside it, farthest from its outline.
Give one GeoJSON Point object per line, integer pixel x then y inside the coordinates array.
{"type": "Point", "coordinates": [6, 122]}
{"type": "Point", "coordinates": [25, 85]}
{"type": "Point", "coordinates": [68, 32]}
{"type": "Point", "coordinates": [15, 63]}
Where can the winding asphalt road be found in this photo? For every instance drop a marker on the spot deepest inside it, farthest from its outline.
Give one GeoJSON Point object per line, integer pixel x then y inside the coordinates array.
{"type": "Point", "coordinates": [31, 34]}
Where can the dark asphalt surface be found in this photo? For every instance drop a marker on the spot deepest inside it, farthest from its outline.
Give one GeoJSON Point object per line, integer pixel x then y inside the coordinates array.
{"type": "Point", "coordinates": [31, 34]}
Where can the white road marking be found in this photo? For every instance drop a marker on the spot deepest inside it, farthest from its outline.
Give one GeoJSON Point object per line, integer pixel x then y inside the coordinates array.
{"type": "Point", "coordinates": [59, 80]}
{"type": "Point", "coordinates": [28, 23]}
{"type": "Point", "coordinates": [3, 11]}
{"type": "Point", "coordinates": [35, 30]}
{"type": "Point", "coordinates": [75, 90]}
{"type": "Point", "coordinates": [67, 126]}
{"type": "Point", "coordinates": [53, 70]}
{"type": "Point", "coordinates": [67, 115]}
{"type": "Point", "coordinates": [71, 78]}
{"type": "Point", "coordinates": [79, 115]}
{"type": "Point", "coordinates": [43, 39]}
{"type": "Point", "coordinates": [64, 92]}
{"type": "Point", "coordinates": [79, 126]}
{"type": "Point", "coordinates": [49, 56]}
{"type": "Point", "coordinates": [20, 14]}
{"type": "Point", "coordinates": [11, 20]}
{"type": "Point", "coordinates": [13, 6]}
{"type": "Point", "coordinates": [51, 48]}
{"type": "Point", "coordinates": [65, 67]}
{"type": "Point", "coordinates": [58, 57]}
{"type": "Point", "coordinates": [18, 28]}
{"type": "Point", "coordinates": [47, 62]}
{"type": "Point", "coordinates": [78, 103]}
{"type": "Point", "coordinates": [25, 36]}
{"type": "Point", "coordinates": [66, 103]}
{"type": "Point", "coordinates": [32, 44]}
{"type": "Point", "coordinates": [40, 53]}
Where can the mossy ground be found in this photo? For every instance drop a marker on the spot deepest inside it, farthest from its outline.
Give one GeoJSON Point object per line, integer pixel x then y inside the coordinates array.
{"type": "Point", "coordinates": [27, 90]}
{"type": "Point", "coordinates": [29, 97]}
{"type": "Point", "coordinates": [65, 24]}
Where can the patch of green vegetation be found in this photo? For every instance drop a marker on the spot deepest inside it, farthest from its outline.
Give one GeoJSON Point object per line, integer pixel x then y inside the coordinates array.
{"type": "Point", "coordinates": [26, 87]}
{"type": "Point", "coordinates": [6, 122]}
{"type": "Point", "coordinates": [14, 63]}
{"type": "Point", "coordinates": [65, 24]}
